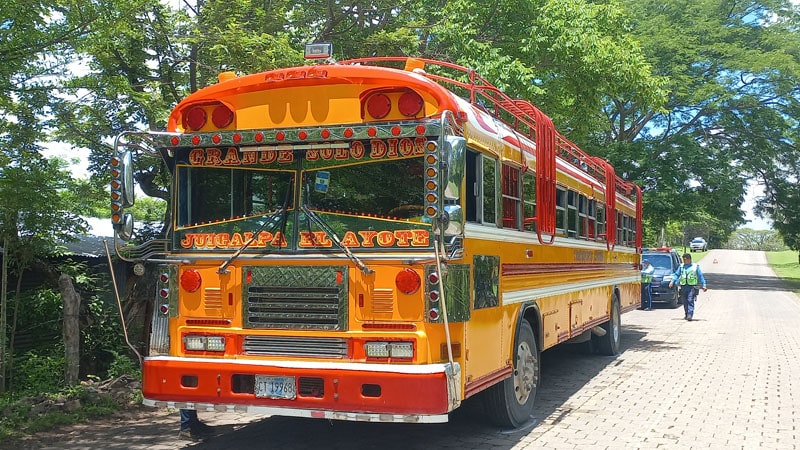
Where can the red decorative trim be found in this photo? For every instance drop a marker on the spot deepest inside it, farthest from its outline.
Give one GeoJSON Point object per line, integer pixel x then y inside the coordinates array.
{"type": "Point", "coordinates": [533, 268]}
{"type": "Point", "coordinates": [486, 381]}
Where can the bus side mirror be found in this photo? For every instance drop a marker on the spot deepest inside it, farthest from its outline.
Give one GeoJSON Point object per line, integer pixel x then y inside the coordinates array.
{"type": "Point", "coordinates": [453, 167]}
{"type": "Point", "coordinates": [125, 229]}
{"type": "Point", "coordinates": [122, 192]}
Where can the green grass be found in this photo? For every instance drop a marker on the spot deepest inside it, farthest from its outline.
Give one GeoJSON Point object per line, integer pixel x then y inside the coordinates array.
{"type": "Point", "coordinates": [18, 419]}
{"type": "Point", "coordinates": [785, 265]}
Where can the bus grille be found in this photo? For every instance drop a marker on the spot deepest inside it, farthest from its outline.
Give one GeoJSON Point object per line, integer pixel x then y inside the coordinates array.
{"type": "Point", "coordinates": [296, 298]}
{"type": "Point", "coordinates": [295, 346]}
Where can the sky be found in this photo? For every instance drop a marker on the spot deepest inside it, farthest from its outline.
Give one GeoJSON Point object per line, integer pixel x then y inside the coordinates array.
{"type": "Point", "coordinates": [754, 191]}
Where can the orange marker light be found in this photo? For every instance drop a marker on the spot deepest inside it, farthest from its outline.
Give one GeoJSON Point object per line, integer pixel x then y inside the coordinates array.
{"type": "Point", "coordinates": [407, 281]}
{"type": "Point", "coordinates": [191, 280]}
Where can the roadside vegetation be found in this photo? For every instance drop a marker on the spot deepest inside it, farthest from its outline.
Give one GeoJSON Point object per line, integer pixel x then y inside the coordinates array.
{"type": "Point", "coordinates": [786, 266]}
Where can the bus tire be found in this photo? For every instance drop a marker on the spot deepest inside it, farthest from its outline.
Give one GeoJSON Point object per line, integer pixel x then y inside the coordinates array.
{"type": "Point", "coordinates": [509, 404]}
{"type": "Point", "coordinates": [609, 343]}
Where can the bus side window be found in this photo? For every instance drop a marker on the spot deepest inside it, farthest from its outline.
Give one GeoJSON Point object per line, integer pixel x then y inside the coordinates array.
{"type": "Point", "coordinates": [561, 211]}
{"type": "Point", "coordinates": [583, 222]}
{"type": "Point", "coordinates": [472, 189]}
{"type": "Point", "coordinates": [489, 191]}
{"type": "Point", "coordinates": [481, 189]}
{"type": "Point", "coordinates": [512, 199]}
{"type": "Point", "coordinates": [572, 213]}
{"type": "Point", "coordinates": [529, 200]}
{"type": "Point", "coordinates": [601, 221]}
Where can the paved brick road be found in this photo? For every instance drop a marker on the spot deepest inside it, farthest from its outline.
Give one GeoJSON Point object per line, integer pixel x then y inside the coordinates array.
{"type": "Point", "coordinates": [729, 379]}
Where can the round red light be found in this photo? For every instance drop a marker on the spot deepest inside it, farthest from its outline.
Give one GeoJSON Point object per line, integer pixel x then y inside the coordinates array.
{"type": "Point", "coordinates": [407, 281]}
{"type": "Point", "coordinates": [325, 134]}
{"type": "Point", "coordinates": [348, 133]}
{"type": "Point", "coordinates": [302, 135]}
{"type": "Point", "coordinates": [420, 129]}
{"type": "Point", "coordinates": [164, 277]}
{"type": "Point", "coordinates": [164, 292]}
{"type": "Point", "coordinates": [191, 280]}
{"type": "Point", "coordinates": [196, 140]}
{"type": "Point", "coordinates": [175, 140]}
{"type": "Point", "coordinates": [410, 104]}
{"type": "Point", "coordinates": [237, 137]}
{"type": "Point", "coordinates": [396, 131]}
{"type": "Point", "coordinates": [280, 135]}
{"type": "Point", "coordinates": [372, 131]}
{"type": "Point", "coordinates": [222, 116]}
{"type": "Point", "coordinates": [378, 106]}
{"type": "Point", "coordinates": [259, 136]}
{"type": "Point", "coordinates": [196, 118]}
{"type": "Point", "coordinates": [216, 139]}
{"type": "Point", "coordinates": [433, 278]}
{"type": "Point", "coordinates": [433, 314]}
{"type": "Point", "coordinates": [164, 309]}
{"type": "Point", "coordinates": [434, 295]}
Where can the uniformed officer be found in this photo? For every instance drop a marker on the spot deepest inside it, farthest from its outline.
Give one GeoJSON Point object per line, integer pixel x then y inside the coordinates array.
{"type": "Point", "coordinates": [691, 280]}
{"type": "Point", "coordinates": [647, 279]}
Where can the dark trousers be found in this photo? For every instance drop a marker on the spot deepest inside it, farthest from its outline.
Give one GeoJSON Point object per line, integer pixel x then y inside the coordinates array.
{"type": "Point", "coordinates": [647, 297]}
{"type": "Point", "coordinates": [688, 296]}
{"type": "Point", "coordinates": [188, 418]}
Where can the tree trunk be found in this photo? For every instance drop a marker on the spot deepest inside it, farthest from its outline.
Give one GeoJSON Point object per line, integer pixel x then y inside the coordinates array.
{"type": "Point", "coordinates": [72, 330]}
{"type": "Point", "coordinates": [3, 313]}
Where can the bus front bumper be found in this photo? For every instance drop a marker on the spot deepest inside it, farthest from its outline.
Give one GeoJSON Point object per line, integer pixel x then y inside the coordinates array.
{"type": "Point", "coordinates": [342, 391]}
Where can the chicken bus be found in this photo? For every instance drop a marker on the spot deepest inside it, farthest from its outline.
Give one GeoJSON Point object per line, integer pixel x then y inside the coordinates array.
{"type": "Point", "coordinates": [375, 239]}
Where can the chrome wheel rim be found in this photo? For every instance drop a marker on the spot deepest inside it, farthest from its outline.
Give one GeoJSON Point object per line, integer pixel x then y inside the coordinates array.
{"type": "Point", "coordinates": [524, 373]}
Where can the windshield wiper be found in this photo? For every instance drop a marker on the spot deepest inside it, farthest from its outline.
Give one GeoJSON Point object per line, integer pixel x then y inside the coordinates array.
{"type": "Point", "coordinates": [223, 269]}
{"type": "Point", "coordinates": [329, 231]}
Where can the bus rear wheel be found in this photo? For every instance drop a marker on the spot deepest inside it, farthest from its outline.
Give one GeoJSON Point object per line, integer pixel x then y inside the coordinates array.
{"type": "Point", "coordinates": [609, 343]}
{"type": "Point", "coordinates": [509, 404]}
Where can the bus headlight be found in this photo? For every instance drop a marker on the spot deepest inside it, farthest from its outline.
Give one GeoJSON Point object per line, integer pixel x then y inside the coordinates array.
{"type": "Point", "coordinates": [204, 343]}
{"type": "Point", "coordinates": [389, 349]}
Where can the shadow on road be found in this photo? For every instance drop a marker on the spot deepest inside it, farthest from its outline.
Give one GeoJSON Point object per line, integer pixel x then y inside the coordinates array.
{"type": "Point", "coordinates": [565, 370]}
{"type": "Point", "coordinates": [748, 282]}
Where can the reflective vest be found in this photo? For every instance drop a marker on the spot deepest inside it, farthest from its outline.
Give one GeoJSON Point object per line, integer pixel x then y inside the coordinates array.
{"type": "Point", "coordinates": [688, 275]}
{"type": "Point", "coordinates": [647, 274]}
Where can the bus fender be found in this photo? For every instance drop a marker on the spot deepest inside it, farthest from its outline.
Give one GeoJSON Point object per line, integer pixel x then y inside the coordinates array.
{"type": "Point", "coordinates": [530, 311]}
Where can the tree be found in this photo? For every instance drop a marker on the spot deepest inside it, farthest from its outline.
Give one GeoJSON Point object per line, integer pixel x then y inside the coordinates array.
{"type": "Point", "coordinates": [749, 239]}
{"type": "Point", "coordinates": [731, 110]}
{"type": "Point", "coordinates": [33, 217]}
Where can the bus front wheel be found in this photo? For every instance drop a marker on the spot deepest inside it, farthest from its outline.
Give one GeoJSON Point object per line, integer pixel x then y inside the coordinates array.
{"type": "Point", "coordinates": [510, 403]}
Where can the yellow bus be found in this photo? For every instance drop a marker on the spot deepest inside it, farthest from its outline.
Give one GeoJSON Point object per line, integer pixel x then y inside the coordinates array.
{"type": "Point", "coordinates": [376, 239]}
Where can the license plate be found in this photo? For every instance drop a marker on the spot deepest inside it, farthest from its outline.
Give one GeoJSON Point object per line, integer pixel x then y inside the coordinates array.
{"type": "Point", "coordinates": [275, 387]}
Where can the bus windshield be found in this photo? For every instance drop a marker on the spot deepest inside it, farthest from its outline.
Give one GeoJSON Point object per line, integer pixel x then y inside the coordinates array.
{"type": "Point", "coordinates": [365, 204]}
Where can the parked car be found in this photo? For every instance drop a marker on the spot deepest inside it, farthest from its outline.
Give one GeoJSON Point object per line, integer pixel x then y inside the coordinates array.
{"type": "Point", "coordinates": [665, 262]}
{"type": "Point", "coordinates": [698, 244]}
